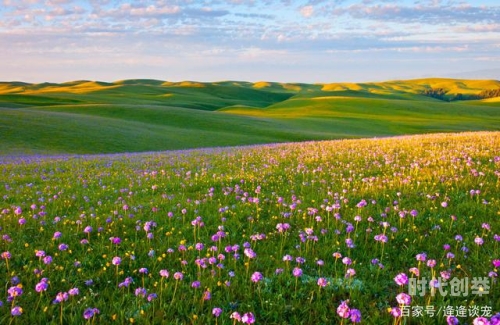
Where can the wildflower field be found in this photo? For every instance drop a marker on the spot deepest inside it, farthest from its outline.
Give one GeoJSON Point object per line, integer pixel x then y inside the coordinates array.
{"type": "Point", "coordinates": [379, 231]}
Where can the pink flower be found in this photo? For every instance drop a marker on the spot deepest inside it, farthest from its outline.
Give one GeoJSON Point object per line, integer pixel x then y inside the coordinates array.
{"type": "Point", "coordinates": [396, 312]}
{"type": "Point", "coordinates": [403, 299]}
{"type": "Point", "coordinates": [401, 279]}
{"type": "Point", "coordinates": [322, 282]}
{"type": "Point", "coordinates": [248, 318]}
{"type": "Point", "coordinates": [256, 277]}
{"type": "Point", "coordinates": [343, 310]}
{"type": "Point", "coordinates": [235, 315]}
{"type": "Point", "coordinates": [480, 321]}
{"type": "Point", "coordinates": [216, 311]}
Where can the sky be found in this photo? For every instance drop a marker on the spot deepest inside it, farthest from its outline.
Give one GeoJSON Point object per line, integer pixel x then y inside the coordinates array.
{"type": "Point", "coordinates": [310, 41]}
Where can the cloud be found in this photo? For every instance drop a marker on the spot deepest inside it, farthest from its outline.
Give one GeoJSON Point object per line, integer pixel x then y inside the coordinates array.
{"type": "Point", "coordinates": [307, 11]}
{"type": "Point", "coordinates": [434, 13]}
{"type": "Point", "coordinates": [249, 35]}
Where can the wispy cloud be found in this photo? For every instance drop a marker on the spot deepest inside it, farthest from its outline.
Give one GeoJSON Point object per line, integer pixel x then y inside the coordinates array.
{"type": "Point", "coordinates": [295, 35]}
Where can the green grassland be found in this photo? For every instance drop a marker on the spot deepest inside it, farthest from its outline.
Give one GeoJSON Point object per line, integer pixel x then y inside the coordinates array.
{"type": "Point", "coordinates": [151, 115]}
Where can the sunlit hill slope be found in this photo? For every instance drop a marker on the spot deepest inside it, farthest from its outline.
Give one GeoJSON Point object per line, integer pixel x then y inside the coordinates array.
{"type": "Point", "coordinates": [151, 115]}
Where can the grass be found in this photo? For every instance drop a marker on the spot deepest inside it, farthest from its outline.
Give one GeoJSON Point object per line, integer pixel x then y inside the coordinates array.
{"type": "Point", "coordinates": [151, 115]}
{"type": "Point", "coordinates": [326, 232]}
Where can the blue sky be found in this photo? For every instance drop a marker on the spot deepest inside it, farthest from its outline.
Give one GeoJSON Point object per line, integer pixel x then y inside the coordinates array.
{"type": "Point", "coordinates": [252, 40]}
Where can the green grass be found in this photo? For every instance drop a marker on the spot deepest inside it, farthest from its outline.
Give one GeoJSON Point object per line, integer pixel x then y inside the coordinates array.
{"type": "Point", "coordinates": [151, 115]}
{"type": "Point", "coordinates": [195, 213]}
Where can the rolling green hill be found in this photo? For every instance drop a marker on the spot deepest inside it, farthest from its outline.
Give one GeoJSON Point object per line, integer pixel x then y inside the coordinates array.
{"type": "Point", "coordinates": [152, 115]}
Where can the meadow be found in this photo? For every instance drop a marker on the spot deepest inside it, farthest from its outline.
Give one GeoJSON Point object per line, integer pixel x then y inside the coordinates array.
{"type": "Point", "coordinates": [401, 230]}
{"type": "Point", "coordinates": [88, 117]}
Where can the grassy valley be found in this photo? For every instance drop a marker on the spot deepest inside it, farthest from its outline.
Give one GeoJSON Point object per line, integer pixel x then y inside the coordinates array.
{"type": "Point", "coordinates": [150, 115]}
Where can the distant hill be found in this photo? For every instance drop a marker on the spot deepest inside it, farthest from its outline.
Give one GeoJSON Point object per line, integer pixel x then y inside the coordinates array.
{"type": "Point", "coordinates": [150, 115]}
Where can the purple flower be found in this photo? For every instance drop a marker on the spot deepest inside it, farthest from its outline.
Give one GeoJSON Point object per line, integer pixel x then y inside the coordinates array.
{"type": "Point", "coordinates": [349, 243]}
{"type": "Point", "coordinates": [300, 260]}
{"type": "Point", "coordinates": [452, 320]}
{"type": "Point", "coordinates": [115, 240]}
{"type": "Point", "coordinates": [90, 312]}
{"type": "Point", "coordinates": [256, 277]}
{"type": "Point", "coordinates": [403, 299]}
{"type": "Point", "coordinates": [479, 241]}
{"type": "Point", "coordinates": [152, 296]}
{"type": "Point", "coordinates": [381, 238]}
{"type": "Point", "coordinates": [140, 292]}
{"type": "Point", "coordinates": [495, 320]}
{"type": "Point", "coordinates": [346, 261]}
{"type": "Point", "coordinates": [297, 272]}
{"type": "Point", "coordinates": [355, 316]}
{"type": "Point", "coordinates": [282, 227]}
{"type": "Point", "coordinates": [126, 282]}
{"type": "Point", "coordinates": [249, 253]}
{"type": "Point", "coordinates": [401, 279]}
{"type": "Point", "coordinates": [164, 273]}
{"type": "Point", "coordinates": [63, 247]}
{"type": "Point", "coordinates": [16, 311]}
{"type": "Point", "coordinates": [42, 285]}
{"type": "Point", "coordinates": [47, 259]}
{"type": "Point", "coordinates": [216, 311]}
{"type": "Point", "coordinates": [60, 297]}
{"type": "Point", "coordinates": [15, 291]}
{"type": "Point", "coordinates": [73, 291]}
{"type": "Point", "coordinates": [343, 310]}
{"type": "Point", "coordinates": [116, 260]}
{"type": "Point", "coordinates": [421, 257]}
{"type": "Point", "coordinates": [143, 270]}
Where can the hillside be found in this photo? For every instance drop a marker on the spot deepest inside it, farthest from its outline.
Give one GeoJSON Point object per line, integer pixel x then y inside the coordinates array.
{"type": "Point", "coordinates": [150, 115]}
